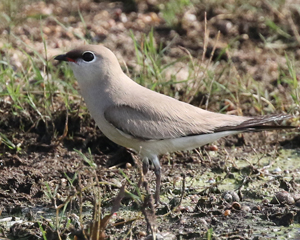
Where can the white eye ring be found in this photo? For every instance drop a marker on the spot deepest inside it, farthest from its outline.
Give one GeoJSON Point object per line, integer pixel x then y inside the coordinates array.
{"type": "Point", "coordinates": [88, 56]}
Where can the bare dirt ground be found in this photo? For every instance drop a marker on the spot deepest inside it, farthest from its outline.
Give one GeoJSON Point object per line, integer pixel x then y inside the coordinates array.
{"type": "Point", "coordinates": [244, 187]}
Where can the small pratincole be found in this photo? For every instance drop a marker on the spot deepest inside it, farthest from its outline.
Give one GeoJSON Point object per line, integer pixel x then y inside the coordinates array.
{"type": "Point", "coordinates": [146, 121]}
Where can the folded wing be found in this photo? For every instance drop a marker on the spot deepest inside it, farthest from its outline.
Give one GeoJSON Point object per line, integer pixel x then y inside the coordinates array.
{"type": "Point", "coordinates": [163, 123]}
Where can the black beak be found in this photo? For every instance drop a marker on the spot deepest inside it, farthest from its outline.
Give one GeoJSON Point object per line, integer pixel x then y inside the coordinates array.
{"type": "Point", "coordinates": [62, 57]}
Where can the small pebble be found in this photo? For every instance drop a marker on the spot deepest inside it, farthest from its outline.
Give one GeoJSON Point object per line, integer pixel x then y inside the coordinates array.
{"type": "Point", "coordinates": [246, 208]}
{"type": "Point", "coordinates": [227, 197]}
{"type": "Point", "coordinates": [142, 234]}
{"type": "Point", "coordinates": [236, 206]}
{"type": "Point", "coordinates": [283, 197]}
{"type": "Point", "coordinates": [128, 165]}
{"type": "Point", "coordinates": [277, 170]}
{"type": "Point", "coordinates": [256, 208]}
{"type": "Point", "coordinates": [227, 212]}
{"type": "Point", "coordinates": [231, 196]}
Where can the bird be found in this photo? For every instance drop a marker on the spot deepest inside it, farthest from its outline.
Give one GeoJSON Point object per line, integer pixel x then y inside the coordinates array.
{"type": "Point", "coordinates": [148, 122]}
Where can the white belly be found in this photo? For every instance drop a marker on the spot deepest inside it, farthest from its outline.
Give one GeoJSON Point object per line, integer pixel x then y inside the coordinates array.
{"type": "Point", "coordinates": [149, 148]}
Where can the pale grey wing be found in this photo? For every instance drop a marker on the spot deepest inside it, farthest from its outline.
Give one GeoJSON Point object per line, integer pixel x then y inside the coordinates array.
{"type": "Point", "coordinates": [149, 125]}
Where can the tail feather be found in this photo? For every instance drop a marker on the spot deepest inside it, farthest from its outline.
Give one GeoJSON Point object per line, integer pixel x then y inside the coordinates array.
{"type": "Point", "coordinates": [271, 122]}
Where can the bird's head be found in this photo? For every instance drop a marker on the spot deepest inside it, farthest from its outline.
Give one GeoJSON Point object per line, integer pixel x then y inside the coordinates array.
{"type": "Point", "coordinates": [91, 63]}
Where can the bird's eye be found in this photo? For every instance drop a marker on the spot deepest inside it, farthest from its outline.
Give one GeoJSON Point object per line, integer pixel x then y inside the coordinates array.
{"type": "Point", "coordinates": [88, 56]}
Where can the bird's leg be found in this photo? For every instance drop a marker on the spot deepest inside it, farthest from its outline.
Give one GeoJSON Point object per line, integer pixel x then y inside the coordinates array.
{"type": "Point", "coordinates": [145, 165]}
{"type": "Point", "coordinates": [157, 171]}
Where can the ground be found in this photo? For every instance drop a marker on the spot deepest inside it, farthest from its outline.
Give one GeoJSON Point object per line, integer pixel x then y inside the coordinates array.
{"type": "Point", "coordinates": [60, 175]}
